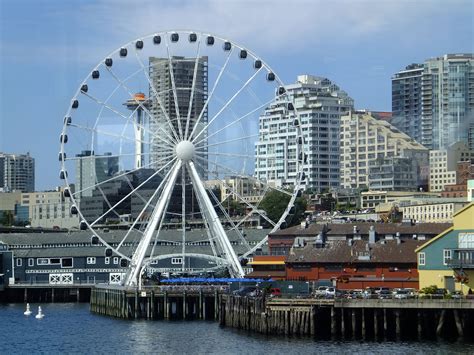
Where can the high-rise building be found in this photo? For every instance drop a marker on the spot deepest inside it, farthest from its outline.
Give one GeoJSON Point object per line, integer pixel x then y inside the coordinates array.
{"type": "Point", "coordinates": [320, 104]}
{"type": "Point", "coordinates": [434, 102]}
{"type": "Point", "coordinates": [92, 169]}
{"type": "Point", "coordinates": [376, 155]}
{"type": "Point", "coordinates": [406, 100]}
{"type": "Point", "coordinates": [17, 172]}
{"type": "Point", "coordinates": [163, 103]}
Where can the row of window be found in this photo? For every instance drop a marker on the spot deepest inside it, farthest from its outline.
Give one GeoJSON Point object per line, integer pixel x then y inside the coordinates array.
{"type": "Point", "coordinates": [64, 262]}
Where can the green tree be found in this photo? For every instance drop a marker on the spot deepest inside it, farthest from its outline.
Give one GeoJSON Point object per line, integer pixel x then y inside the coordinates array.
{"type": "Point", "coordinates": [275, 202]}
{"type": "Point", "coordinates": [6, 218]}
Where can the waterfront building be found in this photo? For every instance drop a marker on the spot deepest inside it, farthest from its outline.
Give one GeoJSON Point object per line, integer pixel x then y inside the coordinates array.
{"type": "Point", "coordinates": [372, 199]}
{"type": "Point", "coordinates": [354, 256]}
{"type": "Point", "coordinates": [267, 267]}
{"type": "Point", "coordinates": [17, 172]}
{"type": "Point", "coordinates": [67, 258]}
{"type": "Point", "coordinates": [433, 102]}
{"type": "Point", "coordinates": [440, 210]}
{"type": "Point", "coordinates": [406, 100]}
{"type": "Point", "coordinates": [320, 104]}
{"type": "Point", "coordinates": [281, 242]}
{"type": "Point", "coordinates": [376, 155]}
{"type": "Point", "coordinates": [443, 164]}
{"type": "Point", "coordinates": [447, 260]}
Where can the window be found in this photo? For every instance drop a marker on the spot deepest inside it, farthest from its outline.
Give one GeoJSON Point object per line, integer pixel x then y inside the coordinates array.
{"type": "Point", "coordinates": [66, 262]}
{"type": "Point", "coordinates": [19, 262]}
{"type": "Point", "coordinates": [176, 260]}
{"type": "Point", "coordinates": [116, 260]}
{"type": "Point", "coordinates": [42, 261]}
{"type": "Point", "coordinates": [447, 256]}
{"type": "Point", "coordinates": [107, 260]}
{"type": "Point", "coordinates": [31, 262]}
{"type": "Point", "coordinates": [421, 259]}
{"type": "Point", "coordinates": [91, 260]}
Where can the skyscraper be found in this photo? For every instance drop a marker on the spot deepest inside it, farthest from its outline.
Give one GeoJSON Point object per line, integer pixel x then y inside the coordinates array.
{"type": "Point", "coordinates": [406, 100]}
{"type": "Point", "coordinates": [320, 104]}
{"type": "Point", "coordinates": [163, 103]}
{"type": "Point", "coordinates": [17, 172]}
{"type": "Point", "coordinates": [434, 102]}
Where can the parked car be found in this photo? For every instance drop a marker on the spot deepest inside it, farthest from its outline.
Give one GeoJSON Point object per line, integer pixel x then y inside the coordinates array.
{"type": "Point", "coordinates": [401, 294]}
{"type": "Point", "coordinates": [379, 289]}
{"type": "Point", "coordinates": [275, 292]}
{"type": "Point", "coordinates": [385, 294]}
{"type": "Point", "coordinates": [369, 292]}
{"type": "Point", "coordinates": [457, 295]}
{"type": "Point", "coordinates": [332, 292]}
{"type": "Point", "coordinates": [320, 291]}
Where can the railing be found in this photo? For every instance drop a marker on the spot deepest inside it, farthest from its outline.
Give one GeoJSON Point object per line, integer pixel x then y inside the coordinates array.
{"type": "Point", "coordinates": [457, 263]}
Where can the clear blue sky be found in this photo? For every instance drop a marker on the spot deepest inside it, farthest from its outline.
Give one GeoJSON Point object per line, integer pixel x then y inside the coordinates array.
{"type": "Point", "coordinates": [48, 47]}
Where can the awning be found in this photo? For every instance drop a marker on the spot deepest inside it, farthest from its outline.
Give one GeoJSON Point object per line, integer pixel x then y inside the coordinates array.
{"type": "Point", "coordinates": [269, 262]}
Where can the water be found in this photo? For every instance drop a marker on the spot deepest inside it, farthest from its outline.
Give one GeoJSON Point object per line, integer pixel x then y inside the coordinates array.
{"type": "Point", "coordinates": [71, 328]}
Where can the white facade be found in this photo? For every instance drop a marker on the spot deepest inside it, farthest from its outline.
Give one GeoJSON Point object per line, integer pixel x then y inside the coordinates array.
{"type": "Point", "coordinates": [319, 105]}
{"type": "Point", "coordinates": [437, 212]}
{"type": "Point", "coordinates": [443, 165]}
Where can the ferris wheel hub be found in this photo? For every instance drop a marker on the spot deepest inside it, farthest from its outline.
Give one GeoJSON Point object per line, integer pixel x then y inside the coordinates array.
{"type": "Point", "coordinates": [185, 150]}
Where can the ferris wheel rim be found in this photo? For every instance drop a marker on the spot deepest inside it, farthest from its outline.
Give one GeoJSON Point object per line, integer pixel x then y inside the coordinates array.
{"type": "Point", "coordinates": [298, 181]}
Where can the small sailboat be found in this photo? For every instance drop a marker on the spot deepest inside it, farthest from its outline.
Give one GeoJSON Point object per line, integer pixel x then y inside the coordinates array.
{"type": "Point", "coordinates": [28, 311]}
{"type": "Point", "coordinates": [40, 314]}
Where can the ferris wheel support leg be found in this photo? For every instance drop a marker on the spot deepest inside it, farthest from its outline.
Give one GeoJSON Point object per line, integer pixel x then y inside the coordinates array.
{"type": "Point", "coordinates": [214, 223]}
{"type": "Point", "coordinates": [160, 208]}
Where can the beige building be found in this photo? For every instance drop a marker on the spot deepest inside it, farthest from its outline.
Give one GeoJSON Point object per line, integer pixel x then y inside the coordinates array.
{"type": "Point", "coordinates": [49, 209]}
{"type": "Point", "coordinates": [372, 199]}
{"type": "Point", "coordinates": [240, 188]}
{"type": "Point", "coordinates": [371, 148]}
{"type": "Point", "coordinates": [438, 211]}
{"type": "Point", "coordinates": [443, 165]}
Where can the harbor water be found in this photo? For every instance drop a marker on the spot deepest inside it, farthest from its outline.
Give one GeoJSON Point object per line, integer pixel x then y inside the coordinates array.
{"type": "Point", "coordinates": [71, 328]}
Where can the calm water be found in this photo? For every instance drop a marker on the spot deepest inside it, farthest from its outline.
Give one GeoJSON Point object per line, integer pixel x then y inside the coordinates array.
{"type": "Point", "coordinates": [70, 328]}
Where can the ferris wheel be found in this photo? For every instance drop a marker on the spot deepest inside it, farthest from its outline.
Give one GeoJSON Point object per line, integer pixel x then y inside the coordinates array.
{"type": "Point", "coordinates": [163, 135]}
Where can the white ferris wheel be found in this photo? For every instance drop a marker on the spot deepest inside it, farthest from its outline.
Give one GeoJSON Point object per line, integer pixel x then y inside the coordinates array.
{"type": "Point", "coordinates": [161, 138]}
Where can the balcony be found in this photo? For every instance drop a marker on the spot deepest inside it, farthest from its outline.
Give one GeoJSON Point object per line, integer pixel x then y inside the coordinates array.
{"type": "Point", "coordinates": [462, 259]}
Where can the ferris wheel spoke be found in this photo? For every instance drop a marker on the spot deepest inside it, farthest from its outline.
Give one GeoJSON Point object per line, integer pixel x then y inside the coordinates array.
{"type": "Point", "coordinates": [209, 213]}
{"type": "Point", "coordinates": [193, 86]}
{"type": "Point", "coordinates": [254, 208]}
{"type": "Point", "coordinates": [157, 215]}
{"type": "Point", "coordinates": [118, 176]}
{"type": "Point", "coordinates": [157, 98]}
{"type": "Point", "coordinates": [140, 105]}
{"type": "Point", "coordinates": [259, 108]}
{"type": "Point", "coordinates": [235, 155]}
{"type": "Point", "coordinates": [77, 158]}
{"type": "Point", "coordinates": [227, 104]}
{"type": "Point", "coordinates": [228, 218]}
{"type": "Point", "coordinates": [183, 215]}
{"type": "Point", "coordinates": [228, 141]}
{"type": "Point", "coordinates": [173, 85]}
{"type": "Point", "coordinates": [209, 97]}
{"type": "Point", "coordinates": [132, 192]}
{"type": "Point", "coordinates": [147, 204]}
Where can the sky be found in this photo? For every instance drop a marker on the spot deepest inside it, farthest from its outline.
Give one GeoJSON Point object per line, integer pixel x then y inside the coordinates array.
{"type": "Point", "coordinates": [48, 47]}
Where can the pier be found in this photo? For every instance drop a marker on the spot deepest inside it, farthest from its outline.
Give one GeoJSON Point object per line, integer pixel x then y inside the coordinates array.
{"type": "Point", "coordinates": [351, 319]}
{"type": "Point", "coordinates": [158, 302]}
{"type": "Point", "coordinates": [367, 319]}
